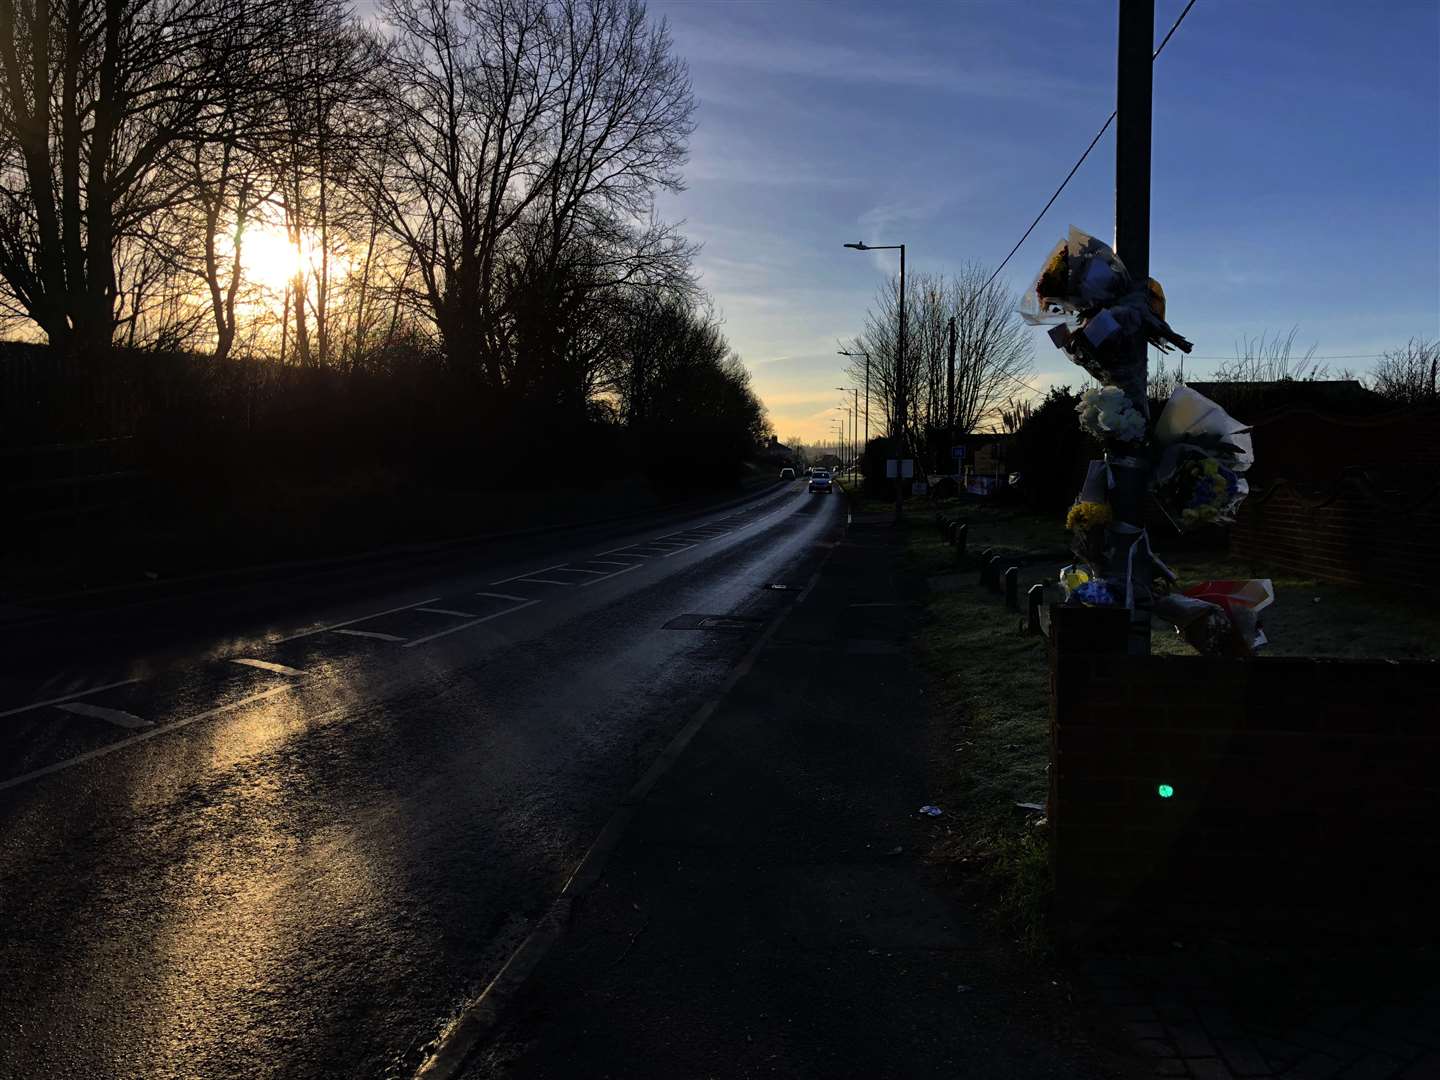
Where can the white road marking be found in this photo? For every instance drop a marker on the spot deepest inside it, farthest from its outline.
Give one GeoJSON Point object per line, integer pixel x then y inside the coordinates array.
{"type": "Point", "coordinates": [91, 755]}
{"type": "Point", "coordinates": [522, 577]}
{"type": "Point", "coordinates": [266, 665]}
{"type": "Point", "coordinates": [677, 551]}
{"type": "Point", "coordinates": [612, 562]}
{"type": "Point", "coordinates": [473, 622]}
{"type": "Point", "coordinates": [371, 634]}
{"type": "Point", "coordinates": [607, 577]}
{"type": "Point", "coordinates": [446, 611]}
{"type": "Point", "coordinates": [68, 697]}
{"type": "Point", "coordinates": [118, 717]}
{"type": "Point", "coordinates": [505, 596]}
{"type": "Point", "coordinates": [358, 618]}
{"type": "Point", "coordinates": [546, 581]}
{"type": "Point", "coordinates": [576, 570]}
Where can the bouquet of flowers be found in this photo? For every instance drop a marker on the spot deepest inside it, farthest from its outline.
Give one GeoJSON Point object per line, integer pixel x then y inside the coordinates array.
{"type": "Point", "coordinates": [1098, 311]}
{"type": "Point", "coordinates": [1205, 492]}
{"type": "Point", "coordinates": [1205, 451]}
{"type": "Point", "coordinates": [1107, 414]}
{"type": "Point", "coordinates": [1083, 587]}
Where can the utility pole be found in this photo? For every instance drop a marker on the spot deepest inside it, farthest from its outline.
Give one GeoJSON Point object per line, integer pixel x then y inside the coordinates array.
{"type": "Point", "coordinates": [900, 397]}
{"type": "Point", "coordinates": [950, 389]}
{"type": "Point", "coordinates": [1128, 498]}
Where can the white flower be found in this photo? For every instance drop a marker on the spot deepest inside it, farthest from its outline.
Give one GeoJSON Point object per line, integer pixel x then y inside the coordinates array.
{"type": "Point", "coordinates": [1107, 414]}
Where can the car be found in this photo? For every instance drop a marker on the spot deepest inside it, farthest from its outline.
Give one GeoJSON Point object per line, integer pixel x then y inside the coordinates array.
{"type": "Point", "coordinates": [820, 482]}
{"type": "Point", "coordinates": [787, 473]}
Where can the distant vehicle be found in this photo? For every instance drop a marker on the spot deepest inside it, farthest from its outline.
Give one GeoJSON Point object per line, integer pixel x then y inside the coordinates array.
{"type": "Point", "coordinates": [787, 473]}
{"type": "Point", "coordinates": [820, 481]}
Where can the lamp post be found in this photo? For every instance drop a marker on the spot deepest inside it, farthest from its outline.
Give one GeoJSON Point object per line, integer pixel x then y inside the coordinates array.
{"type": "Point", "coordinates": [865, 353]}
{"type": "Point", "coordinates": [899, 368]}
{"type": "Point", "coordinates": [854, 416]}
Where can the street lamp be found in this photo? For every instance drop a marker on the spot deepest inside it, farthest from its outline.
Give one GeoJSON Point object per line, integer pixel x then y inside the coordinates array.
{"type": "Point", "coordinates": [866, 354]}
{"type": "Point", "coordinates": [899, 365]}
{"type": "Point", "coordinates": [854, 416]}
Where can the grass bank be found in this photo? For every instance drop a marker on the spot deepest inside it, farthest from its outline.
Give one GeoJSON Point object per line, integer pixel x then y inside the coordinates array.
{"type": "Point", "coordinates": [989, 684]}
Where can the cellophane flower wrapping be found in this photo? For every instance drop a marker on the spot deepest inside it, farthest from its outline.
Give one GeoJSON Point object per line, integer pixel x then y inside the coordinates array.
{"type": "Point", "coordinates": [1084, 287]}
{"type": "Point", "coordinates": [1204, 452]}
{"type": "Point", "coordinates": [1242, 601]}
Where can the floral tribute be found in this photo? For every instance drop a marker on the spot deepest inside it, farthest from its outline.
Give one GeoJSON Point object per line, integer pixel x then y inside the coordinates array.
{"type": "Point", "coordinates": [1194, 456]}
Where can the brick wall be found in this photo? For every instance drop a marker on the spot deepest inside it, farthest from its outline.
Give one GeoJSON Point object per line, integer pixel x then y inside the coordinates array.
{"type": "Point", "coordinates": [1304, 791]}
{"type": "Point", "coordinates": [1354, 533]}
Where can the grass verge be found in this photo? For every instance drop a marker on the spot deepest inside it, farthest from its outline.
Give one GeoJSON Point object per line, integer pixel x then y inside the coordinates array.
{"type": "Point", "coordinates": [990, 685]}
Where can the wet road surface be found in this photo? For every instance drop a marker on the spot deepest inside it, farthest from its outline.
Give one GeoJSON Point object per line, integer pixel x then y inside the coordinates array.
{"type": "Point", "coordinates": [294, 851]}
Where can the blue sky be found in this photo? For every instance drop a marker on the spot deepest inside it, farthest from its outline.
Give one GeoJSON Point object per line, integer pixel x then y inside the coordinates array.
{"type": "Point", "coordinates": [1296, 156]}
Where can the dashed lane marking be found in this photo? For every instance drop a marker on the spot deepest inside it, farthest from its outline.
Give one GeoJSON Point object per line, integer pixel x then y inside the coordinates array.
{"type": "Point", "coordinates": [466, 626]}
{"type": "Point", "coordinates": [266, 665]}
{"type": "Point", "coordinates": [91, 755]}
{"type": "Point", "coordinates": [447, 611]}
{"type": "Point", "coordinates": [358, 618]}
{"type": "Point", "coordinates": [67, 697]}
{"type": "Point", "coordinates": [573, 570]}
{"type": "Point", "coordinates": [118, 717]}
{"type": "Point", "coordinates": [505, 596]}
{"type": "Point", "coordinates": [371, 634]}
{"type": "Point", "coordinates": [545, 581]}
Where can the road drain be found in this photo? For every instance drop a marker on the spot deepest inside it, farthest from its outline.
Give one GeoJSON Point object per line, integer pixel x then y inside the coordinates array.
{"type": "Point", "coordinates": [712, 622]}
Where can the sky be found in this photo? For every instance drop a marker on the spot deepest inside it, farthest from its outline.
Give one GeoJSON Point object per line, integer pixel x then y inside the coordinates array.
{"type": "Point", "coordinates": [1295, 180]}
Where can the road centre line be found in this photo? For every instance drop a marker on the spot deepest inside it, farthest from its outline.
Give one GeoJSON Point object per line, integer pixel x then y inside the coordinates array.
{"type": "Point", "coordinates": [446, 611]}
{"type": "Point", "coordinates": [505, 596]}
{"type": "Point", "coordinates": [611, 562]}
{"type": "Point", "coordinates": [466, 626]}
{"type": "Point", "coordinates": [546, 581]}
{"type": "Point", "coordinates": [677, 551]}
{"type": "Point", "coordinates": [118, 717]}
{"type": "Point", "coordinates": [371, 634]}
{"type": "Point", "coordinates": [521, 577]}
{"type": "Point", "coordinates": [266, 665]}
{"type": "Point", "coordinates": [358, 618]}
{"type": "Point", "coordinates": [67, 697]}
{"type": "Point", "coordinates": [91, 755]}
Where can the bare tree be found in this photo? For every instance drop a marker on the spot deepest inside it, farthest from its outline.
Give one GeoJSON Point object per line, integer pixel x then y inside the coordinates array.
{"type": "Point", "coordinates": [1409, 375]}
{"type": "Point", "coordinates": [526, 138]}
{"type": "Point", "coordinates": [98, 99]}
{"type": "Point", "coordinates": [992, 354]}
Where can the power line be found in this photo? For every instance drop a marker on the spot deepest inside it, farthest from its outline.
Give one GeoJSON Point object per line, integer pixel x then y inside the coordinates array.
{"type": "Point", "coordinates": [1076, 167]}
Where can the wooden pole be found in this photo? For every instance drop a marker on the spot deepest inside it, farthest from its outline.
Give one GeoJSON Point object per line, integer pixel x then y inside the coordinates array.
{"type": "Point", "coordinates": [1131, 558]}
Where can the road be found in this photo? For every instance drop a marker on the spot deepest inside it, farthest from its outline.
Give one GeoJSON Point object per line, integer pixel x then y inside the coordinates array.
{"type": "Point", "coordinates": [294, 849]}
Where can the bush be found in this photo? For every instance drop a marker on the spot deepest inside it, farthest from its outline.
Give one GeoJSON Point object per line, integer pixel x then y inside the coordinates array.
{"type": "Point", "coordinates": [1051, 452]}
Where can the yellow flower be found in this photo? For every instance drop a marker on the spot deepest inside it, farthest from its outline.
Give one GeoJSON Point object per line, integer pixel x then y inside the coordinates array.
{"type": "Point", "coordinates": [1087, 515]}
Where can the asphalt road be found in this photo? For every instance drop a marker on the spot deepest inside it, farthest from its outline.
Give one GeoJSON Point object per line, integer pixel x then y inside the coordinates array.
{"type": "Point", "coordinates": [293, 849]}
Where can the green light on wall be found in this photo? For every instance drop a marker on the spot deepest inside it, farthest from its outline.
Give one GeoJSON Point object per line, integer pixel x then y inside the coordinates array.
{"type": "Point", "coordinates": [1165, 791]}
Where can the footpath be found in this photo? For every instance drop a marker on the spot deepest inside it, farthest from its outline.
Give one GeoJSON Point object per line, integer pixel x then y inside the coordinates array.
{"type": "Point", "coordinates": [769, 911]}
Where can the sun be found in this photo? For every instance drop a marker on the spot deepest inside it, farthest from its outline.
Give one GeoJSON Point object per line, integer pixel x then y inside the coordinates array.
{"type": "Point", "coordinates": [269, 257]}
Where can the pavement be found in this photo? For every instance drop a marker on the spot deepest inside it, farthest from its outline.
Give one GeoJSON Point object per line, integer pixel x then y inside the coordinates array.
{"type": "Point", "coordinates": [769, 912]}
